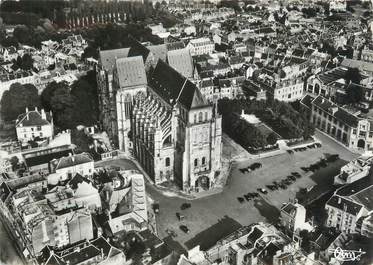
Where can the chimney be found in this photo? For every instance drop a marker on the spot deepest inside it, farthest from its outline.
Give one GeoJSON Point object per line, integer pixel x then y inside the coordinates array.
{"type": "Point", "coordinates": [339, 200]}
{"type": "Point", "coordinates": [36, 108]}
{"type": "Point", "coordinates": [26, 109]}
{"type": "Point", "coordinates": [43, 115]}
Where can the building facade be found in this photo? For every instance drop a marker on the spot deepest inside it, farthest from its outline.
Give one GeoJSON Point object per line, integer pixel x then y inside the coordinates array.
{"type": "Point", "coordinates": [354, 132]}
{"type": "Point", "coordinates": [176, 133]}
{"type": "Point", "coordinates": [34, 124]}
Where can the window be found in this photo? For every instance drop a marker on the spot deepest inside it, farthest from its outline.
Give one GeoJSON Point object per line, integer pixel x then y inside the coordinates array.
{"type": "Point", "coordinates": [167, 161]}
{"type": "Point", "coordinates": [196, 162]}
{"type": "Point", "coordinates": [206, 116]}
{"type": "Point", "coordinates": [203, 160]}
{"type": "Point", "coordinates": [200, 117]}
{"type": "Point", "coordinates": [195, 118]}
{"type": "Point", "coordinates": [38, 128]}
{"type": "Point", "coordinates": [41, 134]}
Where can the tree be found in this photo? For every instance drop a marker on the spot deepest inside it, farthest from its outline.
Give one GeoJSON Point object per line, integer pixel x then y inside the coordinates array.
{"type": "Point", "coordinates": [353, 75]}
{"type": "Point", "coordinates": [63, 107]}
{"type": "Point", "coordinates": [354, 93]}
{"type": "Point", "coordinates": [25, 62]}
{"type": "Point", "coordinates": [47, 95]}
{"type": "Point", "coordinates": [14, 162]}
{"type": "Point", "coordinates": [16, 99]}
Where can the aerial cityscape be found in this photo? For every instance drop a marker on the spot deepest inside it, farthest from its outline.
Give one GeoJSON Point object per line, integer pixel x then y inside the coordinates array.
{"type": "Point", "coordinates": [186, 132]}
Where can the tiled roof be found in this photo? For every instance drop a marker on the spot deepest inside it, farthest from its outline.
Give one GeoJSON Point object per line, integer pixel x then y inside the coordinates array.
{"type": "Point", "coordinates": [137, 49]}
{"type": "Point", "coordinates": [46, 158]}
{"type": "Point", "coordinates": [344, 204]}
{"type": "Point", "coordinates": [175, 45]}
{"type": "Point", "coordinates": [289, 208]}
{"type": "Point", "coordinates": [341, 114]}
{"type": "Point", "coordinates": [172, 87]}
{"type": "Point", "coordinates": [255, 235]}
{"type": "Point", "coordinates": [131, 71]}
{"type": "Point", "coordinates": [307, 100]}
{"type": "Point", "coordinates": [77, 159]}
{"type": "Point", "coordinates": [332, 75]}
{"type": "Point", "coordinates": [351, 63]}
{"type": "Point", "coordinates": [182, 61]}
{"type": "Point", "coordinates": [33, 118]}
{"type": "Point", "coordinates": [107, 58]}
{"type": "Point", "coordinates": [159, 51]}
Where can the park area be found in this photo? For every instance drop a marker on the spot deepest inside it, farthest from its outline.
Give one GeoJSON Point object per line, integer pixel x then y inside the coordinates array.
{"type": "Point", "coordinates": [257, 125]}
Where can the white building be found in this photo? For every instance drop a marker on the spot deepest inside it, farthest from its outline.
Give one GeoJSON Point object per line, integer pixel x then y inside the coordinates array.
{"type": "Point", "coordinates": [338, 5]}
{"type": "Point", "coordinates": [201, 46]}
{"type": "Point", "coordinates": [355, 170]}
{"type": "Point", "coordinates": [34, 123]}
{"type": "Point", "coordinates": [68, 166]}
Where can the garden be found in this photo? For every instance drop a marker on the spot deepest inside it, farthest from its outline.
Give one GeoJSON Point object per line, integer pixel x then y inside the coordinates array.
{"type": "Point", "coordinates": [278, 121]}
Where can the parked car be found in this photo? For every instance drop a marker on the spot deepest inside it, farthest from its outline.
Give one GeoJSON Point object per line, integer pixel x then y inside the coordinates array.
{"type": "Point", "coordinates": [185, 206]}
{"type": "Point", "coordinates": [305, 169]}
{"type": "Point", "coordinates": [255, 165]}
{"type": "Point", "coordinates": [271, 187]}
{"type": "Point", "coordinates": [332, 158]}
{"type": "Point", "coordinates": [180, 217]}
{"type": "Point", "coordinates": [240, 199]}
{"type": "Point", "coordinates": [323, 162]}
{"type": "Point", "coordinates": [290, 152]}
{"type": "Point", "coordinates": [156, 207]}
{"type": "Point", "coordinates": [171, 232]}
{"type": "Point", "coordinates": [291, 177]}
{"type": "Point", "coordinates": [264, 191]}
{"type": "Point", "coordinates": [243, 170]}
{"type": "Point", "coordinates": [184, 228]}
{"type": "Point", "coordinates": [296, 174]}
{"type": "Point", "coordinates": [318, 145]}
{"type": "Point", "coordinates": [247, 197]}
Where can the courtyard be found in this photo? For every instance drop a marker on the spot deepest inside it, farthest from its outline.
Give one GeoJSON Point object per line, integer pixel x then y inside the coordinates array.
{"type": "Point", "coordinates": [213, 217]}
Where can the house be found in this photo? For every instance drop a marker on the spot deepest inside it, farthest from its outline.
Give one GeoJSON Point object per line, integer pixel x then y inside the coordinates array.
{"type": "Point", "coordinates": [132, 209]}
{"type": "Point", "coordinates": [349, 206]}
{"type": "Point", "coordinates": [34, 125]}
{"type": "Point", "coordinates": [254, 90]}
{"type": "Point", "coordinates": [68, 166]}
{"type": "Point", "coordinates": [95, 251]}
{"type": "Point", "coordinates": [293, 218]}
{"type": "Point", "coordinates": [201, 46]}
{"type": "Point", "coordinates": [76, 192]}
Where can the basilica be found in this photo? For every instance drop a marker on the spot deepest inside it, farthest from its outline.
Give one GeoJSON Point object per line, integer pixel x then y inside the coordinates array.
{"type": "Point", "coordinates": [153, 110]}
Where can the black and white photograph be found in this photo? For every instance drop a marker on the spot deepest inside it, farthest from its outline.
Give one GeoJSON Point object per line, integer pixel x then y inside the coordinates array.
{"type": "Point", "coordinates": [186, 132]}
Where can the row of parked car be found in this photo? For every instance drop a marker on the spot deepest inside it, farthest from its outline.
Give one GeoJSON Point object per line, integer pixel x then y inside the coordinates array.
{"type": "Point", "coordinates": [250, 168]}
{"type": "Point", "coordinates": [248, 197]}
{"type": "Point", "coordinates": [323, 162]}
{"type": "Point", "coordinates": [181, 217]}
{"type": "Point", "coordinates": [275, 185]}
{"type": "Point", "coordinates": [302, 149]}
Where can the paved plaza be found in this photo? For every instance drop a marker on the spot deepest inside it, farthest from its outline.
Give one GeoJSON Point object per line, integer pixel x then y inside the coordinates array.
{"type": "Point", "coordinates": [215, 216]}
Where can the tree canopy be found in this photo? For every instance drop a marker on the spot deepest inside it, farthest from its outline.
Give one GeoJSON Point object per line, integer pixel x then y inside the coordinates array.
{"type": "Point", "coordinates": [73, 106]}
{"type": "Point", "coordinates": [15, 100]}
